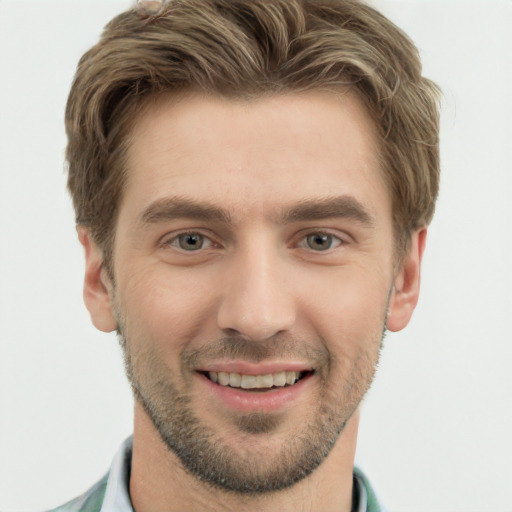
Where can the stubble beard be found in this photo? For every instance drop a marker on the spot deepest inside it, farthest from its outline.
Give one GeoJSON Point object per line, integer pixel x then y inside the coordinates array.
{"type": "Point", "coordinates": [252, 468]}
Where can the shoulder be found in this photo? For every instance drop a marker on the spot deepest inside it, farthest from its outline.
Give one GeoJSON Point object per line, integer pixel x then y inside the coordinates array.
{"type": "Point", "coordinates": [90, 501]}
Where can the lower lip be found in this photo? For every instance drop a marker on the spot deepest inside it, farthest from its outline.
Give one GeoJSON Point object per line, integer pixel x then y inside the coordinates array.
{"type": "Point", "coordinates": [261, 401]}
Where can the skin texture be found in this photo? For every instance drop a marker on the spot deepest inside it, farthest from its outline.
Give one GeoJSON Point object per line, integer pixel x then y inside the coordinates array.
{"type": "Point", "coordinates": [252, 237]}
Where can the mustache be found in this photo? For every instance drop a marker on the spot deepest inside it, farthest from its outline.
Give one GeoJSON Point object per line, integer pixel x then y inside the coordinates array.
{"type": "Point", "coordinates": [238, 347]}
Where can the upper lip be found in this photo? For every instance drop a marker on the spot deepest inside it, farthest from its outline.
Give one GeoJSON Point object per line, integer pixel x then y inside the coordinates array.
{"type": "Point", "coordinates": [262, 368]}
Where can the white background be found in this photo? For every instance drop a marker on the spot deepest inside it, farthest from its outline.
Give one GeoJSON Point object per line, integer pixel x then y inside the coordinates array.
{"type": "Point", "coordinates": [436, 427]}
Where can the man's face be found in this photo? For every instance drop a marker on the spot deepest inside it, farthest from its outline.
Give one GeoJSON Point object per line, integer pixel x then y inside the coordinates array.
{"type": "Point", "coordinates": [253, 270]}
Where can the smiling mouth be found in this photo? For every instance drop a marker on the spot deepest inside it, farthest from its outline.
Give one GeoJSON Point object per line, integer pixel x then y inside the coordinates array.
{"type": "Point", "coordinates": [256, 382]}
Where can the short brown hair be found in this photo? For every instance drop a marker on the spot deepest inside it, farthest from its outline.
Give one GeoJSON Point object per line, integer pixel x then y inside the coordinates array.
{"type": "Point", "coordinates": [246, 49]}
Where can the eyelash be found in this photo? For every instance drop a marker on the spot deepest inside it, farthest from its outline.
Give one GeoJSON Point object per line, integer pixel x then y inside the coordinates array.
{"type": "Point", "coordinates": [174, 241]}
{"type": "Point", "coordinates": [321, 234]}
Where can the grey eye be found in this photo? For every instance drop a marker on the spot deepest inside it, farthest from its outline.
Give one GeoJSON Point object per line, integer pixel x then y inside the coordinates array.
{"type": "Point", "coordinates": [321, 241]}
{"type": "Point", "coordinates": [190, 241]}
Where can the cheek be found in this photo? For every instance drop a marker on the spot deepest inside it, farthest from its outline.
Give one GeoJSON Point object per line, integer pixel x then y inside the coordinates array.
{"type": "Point", "coordinates": [349, 314]}
{"type": "Point", "coordinates": [351, 325]}
{"type": "Point", "coordinates": [165, 308]}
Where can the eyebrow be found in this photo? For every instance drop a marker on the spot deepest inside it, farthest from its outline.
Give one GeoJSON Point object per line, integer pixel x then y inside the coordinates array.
{"type": "Point", "coordinates": [176, 207]}
{"type": "Point", "coordinates": [344, 206]}
{"type": "Point", "coordinates": [330, 207]}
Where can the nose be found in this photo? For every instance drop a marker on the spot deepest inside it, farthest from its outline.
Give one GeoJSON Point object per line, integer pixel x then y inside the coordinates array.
{"type": "Point", "coordinates": [257, 302]}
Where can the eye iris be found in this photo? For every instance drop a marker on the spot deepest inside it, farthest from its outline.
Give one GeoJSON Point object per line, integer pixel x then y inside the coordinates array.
{"type": "Point", "coordinates": [191, 242]}
{"type": "Point", "coordinates": [319, 241]}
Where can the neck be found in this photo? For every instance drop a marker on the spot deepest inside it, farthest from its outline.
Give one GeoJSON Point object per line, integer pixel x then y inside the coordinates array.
{"type": "Point", "coordinates": [158, 482]}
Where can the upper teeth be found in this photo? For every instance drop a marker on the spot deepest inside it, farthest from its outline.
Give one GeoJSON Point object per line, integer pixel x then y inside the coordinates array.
{"type": "Point", "coordinates": [236, 380]}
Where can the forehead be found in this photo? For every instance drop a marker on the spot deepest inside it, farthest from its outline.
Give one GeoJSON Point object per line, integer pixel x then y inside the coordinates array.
{"type": "Point", "coordinates": [258, 154]}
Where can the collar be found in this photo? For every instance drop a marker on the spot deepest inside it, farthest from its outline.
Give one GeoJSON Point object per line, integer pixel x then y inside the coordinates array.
{"type": "Point", "coordinates": [117, 496]}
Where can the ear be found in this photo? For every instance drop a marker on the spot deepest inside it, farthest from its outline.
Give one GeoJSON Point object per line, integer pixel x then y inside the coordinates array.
{"type": "Point", "coordinates": [97, 285]}
{"type": "Point", "coordinates": [406, 289]}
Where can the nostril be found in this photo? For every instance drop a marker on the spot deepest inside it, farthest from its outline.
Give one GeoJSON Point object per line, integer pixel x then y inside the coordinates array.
{"type": "Point", "coordinates": [229, 331]}
{"type": "Point", "coordinates": [248, 311]}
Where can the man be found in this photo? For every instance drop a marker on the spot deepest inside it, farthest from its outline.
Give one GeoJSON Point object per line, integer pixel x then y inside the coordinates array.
{"type": "Point", "coordinates": [253, 182]}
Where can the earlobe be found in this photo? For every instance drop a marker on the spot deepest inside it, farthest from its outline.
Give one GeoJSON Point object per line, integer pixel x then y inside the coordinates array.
{"type": "Point", "coordinates": [406, 289]}
{"type": "Point", "coordinates": [97, 285]}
